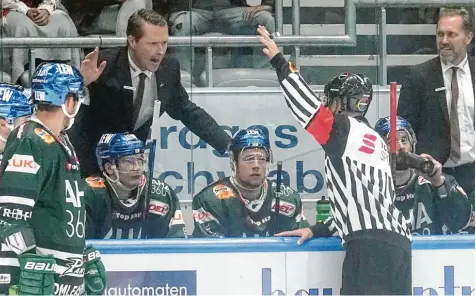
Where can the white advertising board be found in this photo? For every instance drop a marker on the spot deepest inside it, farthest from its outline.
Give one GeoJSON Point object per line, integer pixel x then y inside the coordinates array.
{"type": "Point", "coordinates": [270, 266]}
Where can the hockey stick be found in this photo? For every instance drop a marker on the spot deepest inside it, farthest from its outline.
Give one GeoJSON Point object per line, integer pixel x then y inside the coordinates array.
{"type": "Point", "coordinates": [149, 149]}
{"type": "Point", "coordinates": [393, 128]}
{"type": "Point", "coordinates": [277, 203]}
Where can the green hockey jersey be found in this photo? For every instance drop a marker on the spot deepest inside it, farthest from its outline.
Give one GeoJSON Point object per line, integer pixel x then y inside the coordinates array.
{"type": "Point", "coordinates": [428, 212]}
{"type": "Point", "coordinates": [134, 218]}
{"type": "Point", "coordinates": [39, 189]}
{"type": "Point", "coordinates": [220, 211]}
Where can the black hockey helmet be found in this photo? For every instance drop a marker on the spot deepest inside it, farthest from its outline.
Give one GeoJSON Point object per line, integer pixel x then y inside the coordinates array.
{"type": "Point", "coordinates": [353, 90]}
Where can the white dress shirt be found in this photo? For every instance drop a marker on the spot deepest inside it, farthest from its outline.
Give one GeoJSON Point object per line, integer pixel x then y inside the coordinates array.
{"type": "Point", "coordinates": [150, 92]}
{"type": "Point", "coordinates": [465, 109]}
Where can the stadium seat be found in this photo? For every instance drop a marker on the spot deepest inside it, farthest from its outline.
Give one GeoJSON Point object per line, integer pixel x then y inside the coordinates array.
{"type": "Point", "coordinates": [24, 79]}
{"type": "Point", "coordinates": [186, 79]}
{"type": "Point", "coordinates": [242, 77]}
{"type": "Point", "coordinates": [5, 77]}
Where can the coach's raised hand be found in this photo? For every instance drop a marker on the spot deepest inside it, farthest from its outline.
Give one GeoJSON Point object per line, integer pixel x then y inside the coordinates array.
{"type": "Point", "coordinates": [271, 49]}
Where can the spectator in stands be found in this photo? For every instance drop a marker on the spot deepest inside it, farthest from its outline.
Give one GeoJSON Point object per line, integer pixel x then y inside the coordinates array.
{"type": "Point", "coordinates": [242, 205]}
{"type": "Point", "coordinates": [39, 18]}
{"type": "Point", "coordinates": [437, 98]}
{"type": "Point", "coordinates": [104, 16]}
{"type": "Point", "coordinates": [234, 17]}
{"type": "Point", "coordinates": [433, 203]}
{"type": "Point", "coordinates": [136, 75]}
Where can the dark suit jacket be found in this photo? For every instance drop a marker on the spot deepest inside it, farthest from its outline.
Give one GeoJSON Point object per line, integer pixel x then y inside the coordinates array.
{"type": "Point", "coordinates": [111, 107]}
{"type": "Point", "coordinates": [426, 109]}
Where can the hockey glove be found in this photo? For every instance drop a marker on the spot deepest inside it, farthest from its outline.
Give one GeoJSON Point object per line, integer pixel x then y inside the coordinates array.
{"type": "Point", "coordinates": [18, 238]}
{"type": "Point", "coordinates": [95, 277]}
{"type": "Point", "coordinates": [37, 275]}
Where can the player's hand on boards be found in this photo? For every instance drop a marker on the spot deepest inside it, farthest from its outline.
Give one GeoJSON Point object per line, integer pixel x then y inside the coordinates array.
{"type": "Point", "coordinates": [304, 234]}
{"type": "Point", "coordinates": [271, 49]}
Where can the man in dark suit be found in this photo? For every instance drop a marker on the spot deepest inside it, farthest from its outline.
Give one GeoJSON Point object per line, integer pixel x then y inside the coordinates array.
{"type": "Point", "coordinates": [437, 99]}
{"type": "Point", "coordinates": [122, 98]}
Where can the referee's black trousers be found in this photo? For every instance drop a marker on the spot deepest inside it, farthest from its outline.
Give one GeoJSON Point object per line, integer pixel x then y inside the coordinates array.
{"type": "Point", "coordinates": [377, 263]}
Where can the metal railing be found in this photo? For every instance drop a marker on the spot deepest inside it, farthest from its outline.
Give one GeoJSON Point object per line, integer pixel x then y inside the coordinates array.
{"type": "Point", "coordinates": [349, 39]}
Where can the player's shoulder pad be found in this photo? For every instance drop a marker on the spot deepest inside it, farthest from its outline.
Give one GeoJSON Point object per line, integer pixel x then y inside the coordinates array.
{"type": "Point", "coordinates": [422, 181]}
{"type": "Point", "coordinates": [95, 182]}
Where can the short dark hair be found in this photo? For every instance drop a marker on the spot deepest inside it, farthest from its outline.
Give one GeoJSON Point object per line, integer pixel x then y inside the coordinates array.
{"type": "Point", "coordinates": [139, 18]}
{"type": "Point", "coordinates": [47, 107]}
{"type": "Point", "coordinates": [462, 12]}
{"type": "Point", "coordinates": [52, 108]}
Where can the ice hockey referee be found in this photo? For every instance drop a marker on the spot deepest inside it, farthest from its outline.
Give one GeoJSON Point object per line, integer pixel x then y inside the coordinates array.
{"type": "Point", "coordinates": [374, 233]}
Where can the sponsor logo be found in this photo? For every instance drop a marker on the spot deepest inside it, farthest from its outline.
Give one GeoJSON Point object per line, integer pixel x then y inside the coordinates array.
{"type": "Point", "coordinates": [46, 137]}
{"type": "Point", "coordinates": [95, 182]}
{"type": "Point", "coordinates": [40, 266]}
{"type": "Point", "coordinates": [223, 192]}
{"type": "Point", "coordinates": [446, 288]}
{"type": "Point", "coordinates": [407, 196]}
{"type": "Point", "coordinates": [182, 282]}
{"type": "Point", "coordinates": [159, 187]}
{"type": "Point", "coordinates": [22, 164]}
{"type": "Point", "coordinates": [177, 219]}
{"type": "Point", "coordinates": [93, 255]}
{"type": "Point", "coordinates": [6, 94]}
{"type": "Point", "coordinates": [368, 146]}
{"type": "Point", "coordinates": [285, 208]}
{"type": "Point", "coordinates": [126, 217]}
{"type": "Point", "coordinates": [16, 214]}
{"type": "Point", "coordinates": [71, 167]}
{"type": "Point", "coordinates": [74, 267]}
{"type": "Point", "coordinates": [158, 208]}
{"type": "Point", "coordinates": [201, 216]}
{"type": "Point", "coordinates": [65, 289]}
{"type": "Point", "coordinates": [5, 278]}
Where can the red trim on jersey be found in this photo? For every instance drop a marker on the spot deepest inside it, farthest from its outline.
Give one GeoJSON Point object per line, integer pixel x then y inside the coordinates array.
{"type": "Point", "coordinates": [321, 125]}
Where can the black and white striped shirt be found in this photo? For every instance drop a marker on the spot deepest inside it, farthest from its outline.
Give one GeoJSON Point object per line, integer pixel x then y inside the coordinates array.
{"type": "Point", "coordinates": [358, 174]}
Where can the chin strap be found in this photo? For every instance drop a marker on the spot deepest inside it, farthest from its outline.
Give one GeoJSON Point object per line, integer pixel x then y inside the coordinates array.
{"type": "Point", "coordinates": [70, 116]}
{"type": "Point", "coordinates": [117, 182]}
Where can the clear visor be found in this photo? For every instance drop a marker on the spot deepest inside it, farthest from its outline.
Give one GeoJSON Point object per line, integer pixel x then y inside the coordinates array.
{"type": "Point", "coordinates": [132, 163]}
{"type": "Point", "coordinates": [253, 155]}
{"type": "Point", "coordinates": [403, 137]}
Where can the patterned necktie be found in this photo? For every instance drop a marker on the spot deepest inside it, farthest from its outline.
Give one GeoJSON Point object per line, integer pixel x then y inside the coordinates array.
{"type": "Point", "coordinates": [138, 100]}
{"type": "Point", "coordinates": [455, 152]}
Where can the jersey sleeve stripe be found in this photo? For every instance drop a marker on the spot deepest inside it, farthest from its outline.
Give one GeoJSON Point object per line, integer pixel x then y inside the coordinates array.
{"type": "Point", "coordinates": [57, 254]}
{"type": "Point", "coordinates": [9, 199]}
{"type": "Point", "coordinates": [9, 262]}
{"type": "Point", "coordinates": [304, 90]}
{"type": "Point", "coordinates": [290, 94]}
{"type": "Point", "coordinates": [307, 108]}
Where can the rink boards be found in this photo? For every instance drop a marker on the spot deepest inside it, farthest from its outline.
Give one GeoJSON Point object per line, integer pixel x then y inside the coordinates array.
{"type": "Point", "coordinates": [442, 265]}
